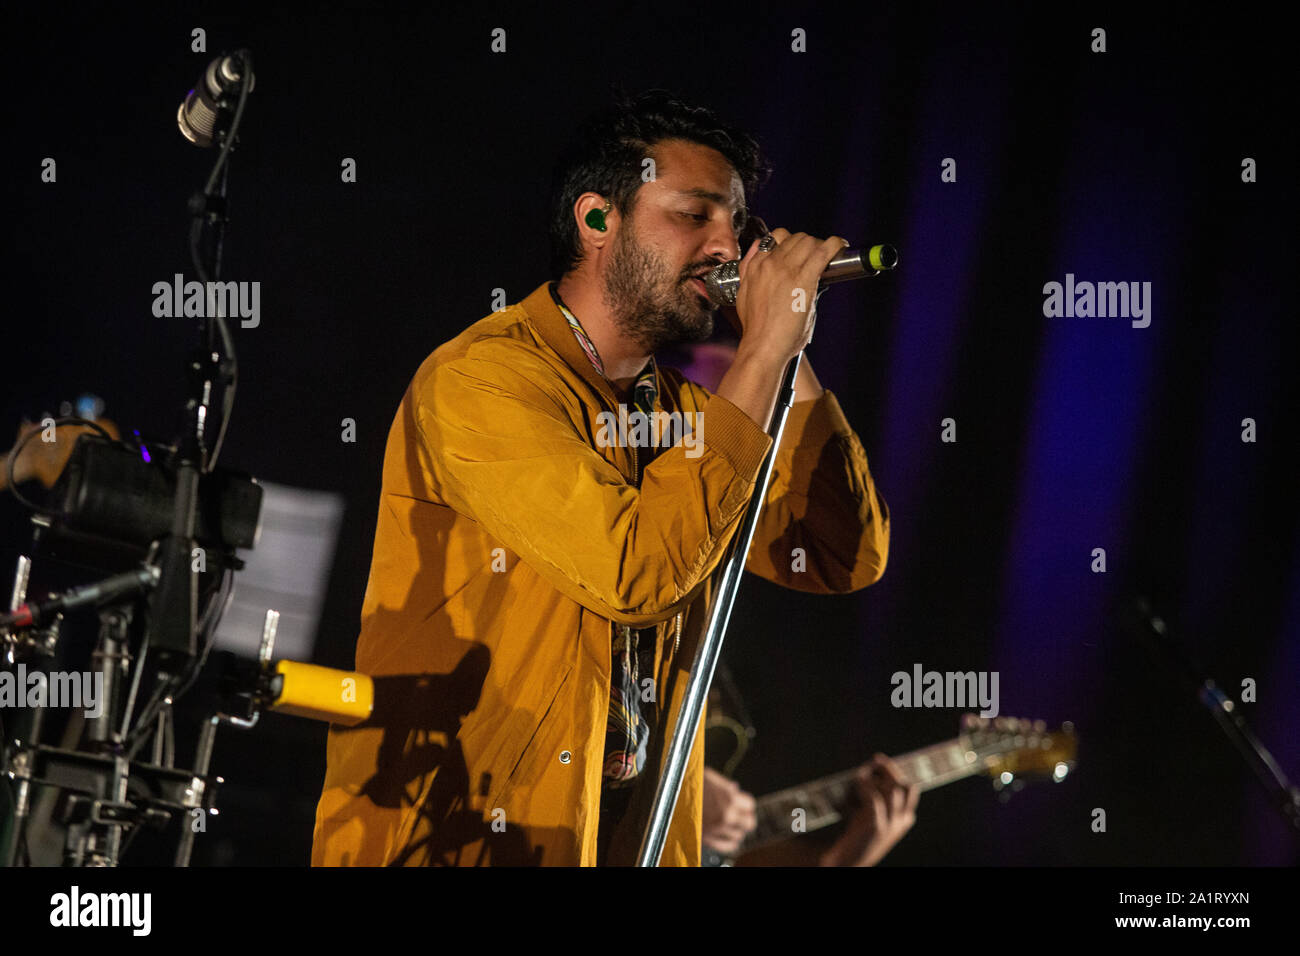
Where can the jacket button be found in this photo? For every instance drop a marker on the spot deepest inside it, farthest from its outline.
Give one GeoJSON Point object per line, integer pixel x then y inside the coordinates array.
{"type": "Point", "coordinates": [565, 756]}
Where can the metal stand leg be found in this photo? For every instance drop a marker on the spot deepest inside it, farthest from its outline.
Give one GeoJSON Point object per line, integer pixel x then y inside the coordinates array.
{"type": "Point", "coordinates": [202, 757]}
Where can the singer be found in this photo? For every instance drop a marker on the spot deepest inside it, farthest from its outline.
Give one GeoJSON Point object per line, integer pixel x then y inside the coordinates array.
{"type": "Point", "coordinates": [534, 595]}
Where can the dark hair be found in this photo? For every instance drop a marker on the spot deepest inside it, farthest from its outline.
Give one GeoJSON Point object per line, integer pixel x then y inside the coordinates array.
{"type": "Point", "coordinates": [607, 150]}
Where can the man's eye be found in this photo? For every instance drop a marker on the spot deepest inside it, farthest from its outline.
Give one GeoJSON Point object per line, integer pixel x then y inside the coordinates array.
{"type": "Point", "coordinates": [696, 216]}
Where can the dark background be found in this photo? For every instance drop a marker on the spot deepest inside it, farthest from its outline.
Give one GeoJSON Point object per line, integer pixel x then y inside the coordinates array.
{"type": "Point", "coordinates": [1073, 433]}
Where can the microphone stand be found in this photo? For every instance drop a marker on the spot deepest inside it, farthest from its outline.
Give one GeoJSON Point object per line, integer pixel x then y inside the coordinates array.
{"type": "Point", "coordinates": [175, 608]}
{"type": "Point", "coordinates": [710, 647]}
{"type": "Point", "coordinates": [102, 809]}
{"type": "Point", "coordinates": [1138, 615]}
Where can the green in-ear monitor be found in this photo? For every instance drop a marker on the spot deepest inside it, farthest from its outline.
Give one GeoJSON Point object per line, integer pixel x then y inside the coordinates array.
{"type": "Point", "coordinates": [596, 218]}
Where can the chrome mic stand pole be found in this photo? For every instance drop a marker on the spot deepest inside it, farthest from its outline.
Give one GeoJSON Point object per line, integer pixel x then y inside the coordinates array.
{"type": "Point", "coordinates": [706, 653]}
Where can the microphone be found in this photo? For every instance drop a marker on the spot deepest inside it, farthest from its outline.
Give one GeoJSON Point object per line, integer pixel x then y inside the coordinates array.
{"type": "Point", "coordinates": [198, 114]}
{"type": "Point", "coordinates": [723, 282]}
{"type": "Point", "coordinates": [35, 613]}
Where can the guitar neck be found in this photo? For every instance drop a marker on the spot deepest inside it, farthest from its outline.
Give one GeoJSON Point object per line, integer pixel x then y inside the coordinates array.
{"type": "Point", "coordinates": [822, 801]}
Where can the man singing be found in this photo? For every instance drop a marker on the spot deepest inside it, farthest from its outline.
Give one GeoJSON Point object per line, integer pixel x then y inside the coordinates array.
{"type": "Point", "coordinates": [541, 571]}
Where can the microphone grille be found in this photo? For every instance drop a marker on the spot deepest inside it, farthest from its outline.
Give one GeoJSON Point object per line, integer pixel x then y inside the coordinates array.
{"type": "Point", "coordinates": [723, 282]}
{"type": "Point", "coordinates": [198, 122]}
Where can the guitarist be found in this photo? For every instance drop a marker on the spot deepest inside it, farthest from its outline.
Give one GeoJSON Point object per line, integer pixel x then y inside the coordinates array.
{"type": "Point", "coordinates": [884, 811]}
{"type": "Point", "coordinates": [880, 809]}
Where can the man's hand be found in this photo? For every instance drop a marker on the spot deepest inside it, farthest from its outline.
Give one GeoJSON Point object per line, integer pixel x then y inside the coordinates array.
{"type": "Point", "coordinates": [729, 813]}
{"type": "Point", "coordinates": [775, 330]}
{"type": "Point", "coordinates": [887, 811]}
{"type": "Point", "coordinates": [776, 303]}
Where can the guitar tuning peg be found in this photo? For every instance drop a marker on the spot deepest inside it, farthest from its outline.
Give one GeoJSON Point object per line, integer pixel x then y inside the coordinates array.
{"type": "Point", "coordinates": [1040, 725]}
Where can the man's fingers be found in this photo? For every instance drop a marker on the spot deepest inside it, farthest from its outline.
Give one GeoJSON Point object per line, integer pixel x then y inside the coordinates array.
{"type": "Point", "coordinates": [888, 770]}
{"type": "Point", "coordinates": [879, 811]}
{"type": "Point", "coordinates": [865, 785]}
{"type": "Point", "coordinates": [897, 801]}
{"type": "Point", "coordinates": [806, 255]}
{"type": "Point", "coordinates": [746, 258]}
{"type": "Point", "coordinates": [885, 780]}
{"type": "Point", "coordinates": [740, 816]}
{"type": "Point", "coordinates": [830, 248]}
{"type": "Point", "coordinates": [814, 253]}
{"type": "Point", "coordinates": [743, 812]}
{"type": "Point", "coordinates": [817, 256]}
{"type": "Point", "coordinates": [791, 247]}
{"type": "Point", "coordinates": [833, 245]}
{"type": "Point", "coordinates": [797, 249]}
{"type": "Point", "coordinates": [725, 843]}
{"type": "Point", "coordinates": [731, 832]}
{"type": "Point", "coordinates": [806, 252]}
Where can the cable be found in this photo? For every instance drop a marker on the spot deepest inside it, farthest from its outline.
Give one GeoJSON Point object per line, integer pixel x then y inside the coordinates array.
{"type": "Point", "coordinates": [196, 228]}
{"type": "Point", "coordinates": [246, 59]}
{"type": "Point", "coordinates": [216, 610]}
{"type": "Point", "coordinates": [228, 393]}
{"type": "Point", "coordinates": [173, 687]}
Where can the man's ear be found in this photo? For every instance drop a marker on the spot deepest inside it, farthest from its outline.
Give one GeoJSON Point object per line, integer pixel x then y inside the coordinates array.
{"type": "Point", "coordinates": [590, 214]}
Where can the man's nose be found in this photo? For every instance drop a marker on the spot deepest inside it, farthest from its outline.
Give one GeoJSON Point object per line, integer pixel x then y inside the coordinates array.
{"type": "Point", "coordinates": [722, 245]}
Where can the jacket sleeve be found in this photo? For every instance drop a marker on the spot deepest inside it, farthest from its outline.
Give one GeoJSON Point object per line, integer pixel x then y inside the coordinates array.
{"type": "Point", "coordinates": [505, 443]}
{"type": "Point", "coordinates": [823, 502]}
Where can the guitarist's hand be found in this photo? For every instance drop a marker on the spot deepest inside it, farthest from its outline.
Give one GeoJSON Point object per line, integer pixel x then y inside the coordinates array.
{"type": "Point", "coordinates": [886, 812]}
{"type": "Point", "coordinates": [729, 813]}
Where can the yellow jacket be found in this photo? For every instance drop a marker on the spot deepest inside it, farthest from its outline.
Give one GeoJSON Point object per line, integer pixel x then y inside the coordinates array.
{"type": "Point", "coordinates": [507, 542]}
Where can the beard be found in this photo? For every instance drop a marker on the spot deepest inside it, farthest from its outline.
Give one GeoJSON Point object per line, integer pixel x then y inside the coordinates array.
{"type": "Point", "coordinates": [650, 303]}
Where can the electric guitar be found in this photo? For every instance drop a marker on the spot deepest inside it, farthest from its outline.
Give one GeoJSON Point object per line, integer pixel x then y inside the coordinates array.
{"type": "Point", "coordinates": [1004, 748]}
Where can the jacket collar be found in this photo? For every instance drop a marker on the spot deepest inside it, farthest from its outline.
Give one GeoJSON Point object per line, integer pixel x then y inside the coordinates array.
{"type": "Point", "coordinates": [554, 330]}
